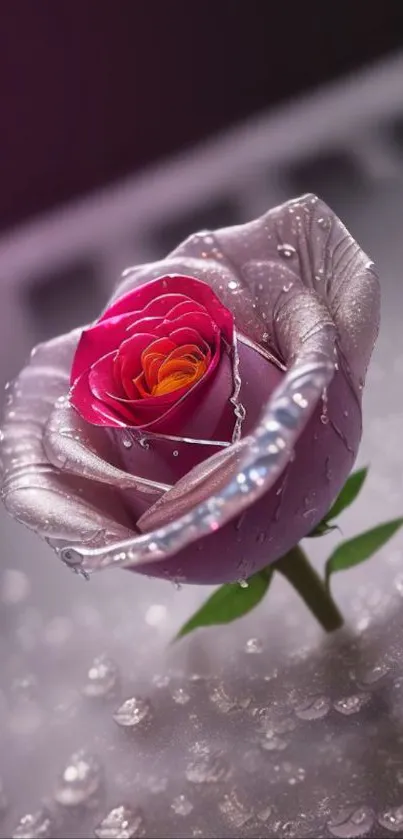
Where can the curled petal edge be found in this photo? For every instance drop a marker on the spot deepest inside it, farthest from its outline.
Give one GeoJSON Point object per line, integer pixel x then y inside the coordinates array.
{"type": "Point", "coordinates": [263, 457]}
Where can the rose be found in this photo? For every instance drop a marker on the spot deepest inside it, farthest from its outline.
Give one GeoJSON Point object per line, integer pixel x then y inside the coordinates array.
{"type": "Point", "coordinates": [159, 371]}
{"type": "Point", "coordinates": [297, 285]}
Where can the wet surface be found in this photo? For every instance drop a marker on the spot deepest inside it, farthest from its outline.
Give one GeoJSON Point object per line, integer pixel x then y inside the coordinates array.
{"type": "Point", "coordinates": [263, 728]}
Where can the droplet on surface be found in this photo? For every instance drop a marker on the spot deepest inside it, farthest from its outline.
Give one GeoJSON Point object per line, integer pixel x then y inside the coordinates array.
{"type": "Point", "coordinates": [392, 819]}
{"type": "Point", "coordinates": [127, 443]}
{"type": "Point", "coordinates": [324, 222]}
{"type": "Point", "coordinates": [180, 696]}
{"type": "Point", "coordinates": [133, 712]}
{"type": "Point", "coordinates": [243, 583]}
{"type": "Point", "coordinates": [207, 769]}
{"type": "Point", "coordinates": [102, 678]}
{"type": "Point", "coordinates": [38, 825]}
{"type": "Point", "coordinates": [314, 708]}
{"type": "Point", "coordinates": [80, 780]}
{"type": "Point", "coordinates": [156, 614]}
{"type": "Point", "coordinates": [270, 742]}
{"type": "Point", "coordinates": [352, 822]}
{"type": "Point", "coordinates": [254, 646]}
{"type": "Point", "coordinates": [121, 823]}
{"type": "Point", "coordinates": [351, 704]}
{"type": "Point", "coordinates": [182, 806]}
{"type": "Point", "coordinates": [286, 251]}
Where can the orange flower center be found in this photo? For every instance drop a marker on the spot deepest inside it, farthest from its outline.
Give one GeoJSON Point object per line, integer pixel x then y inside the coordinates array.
{"type": "Point", "coordinates": [162, 374]}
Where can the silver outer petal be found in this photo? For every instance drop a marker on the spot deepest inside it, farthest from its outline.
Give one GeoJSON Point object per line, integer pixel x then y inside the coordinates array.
{"type": "Point", "coordinates": [300, 287]}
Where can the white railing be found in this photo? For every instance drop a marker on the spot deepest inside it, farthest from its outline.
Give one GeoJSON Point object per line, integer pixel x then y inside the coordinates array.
{"type": "Point", "coordinates": [117, 225]}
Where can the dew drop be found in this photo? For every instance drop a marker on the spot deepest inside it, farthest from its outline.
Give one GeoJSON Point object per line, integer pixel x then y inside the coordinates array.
{"type": "Point", "coordinates": [133, 712]}
{"type": "Point", "coordinates": [207, 769]}
{"type": "Point", "coordinates": [232, 285]}
{"type": "Point", "coordinates": [175, 453]}
{"type": "Point", "coordinates": [243, 583]}
{"type": "Point", "coordinates": [180, 696]}
{"type": "Point", "coordinates": [314, 708]}
{"type": "Point", "coordinates": [182, 806]}
{"type": "Point", "coordinates": [324, 222]}
{"type": "Point", "coordinates": [38, 825]}
{"type": "Point", "coordinates": [287, 287]}
{"type": "Point", "coordinates": [121, 823]}
{"type": "Point", "coordinates": [79, 781]}
{"type": "Point", "coordinates": [286, 251]}
{"type": "Point", "coordinates": [102, 678]}
{"type": "Point", "coordinates": [300, 400]}
{"type": "Point", "coordinates": [254, 646]}
{"type": "Point", "coordinates": [127, 443]}
{"type": "Point", "coordinates": [156, 614]}
{"type": "Point", "coordinates": [351, 704]}
{"type": "Point", "coordinates": [351, 823]}
{"type": "Point", "coordinates": [392, 819]}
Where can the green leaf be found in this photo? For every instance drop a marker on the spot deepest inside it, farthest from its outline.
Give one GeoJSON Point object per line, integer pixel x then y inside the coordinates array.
{"type": "Point", "coordinates": [361, 547]}
{"type": "Point", "coordinates": [348, 494]}
{"type": "Point", "coordinates": [229, 602]}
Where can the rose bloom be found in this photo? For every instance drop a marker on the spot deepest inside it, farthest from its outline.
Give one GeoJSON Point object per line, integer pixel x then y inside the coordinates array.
{"type": "Point", "coordinates": [206, 421]}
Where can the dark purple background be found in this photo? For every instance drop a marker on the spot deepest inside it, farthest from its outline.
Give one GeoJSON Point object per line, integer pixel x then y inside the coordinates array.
{"type": "Point", "coordinates": [91, 90]}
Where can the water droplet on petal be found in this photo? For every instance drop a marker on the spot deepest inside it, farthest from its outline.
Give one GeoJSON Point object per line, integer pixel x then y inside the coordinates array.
{"type": "Point", "coordinates": [38, 825]}
{"type": "Point", "coordinates": [243, 583]}
{"type": "Point", "coordinates": [121, 823]}
{"type": "Point", "coordinates": [324, 222]}
{"type": "Point", "coordinates": [127, 443]}
{"type": "Point", "coordinates": [351, 823]}
{"type": "Point", "coordinates": [286, 251]}
{"type": "Point", "coordinates": [182, 806]}
{"type": "Point", "coordinates": [133, 712]}
{"type": "Point", "coordinates": [392, 819]}
{"type": "Point", "coordinates": [232, 285]}
{"type": "Point", "coordinates": [175, 453]}
{"type": "Point", "coordinates": [314, 708]}
{"type": "Point", "coordinates": [254, 646]}
{"type": "Point", "coordinates": [351, 704]}
{"type": "Point", "coordinates": [287, 287]}
{"type": "Point", "coordinates": [80, 780]}
{"type": "Point", "coordinates": [102, 678]}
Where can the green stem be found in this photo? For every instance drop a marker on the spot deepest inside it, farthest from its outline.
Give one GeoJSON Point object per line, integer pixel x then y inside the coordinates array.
{"type": "Point", "coordinates": [297, 569]}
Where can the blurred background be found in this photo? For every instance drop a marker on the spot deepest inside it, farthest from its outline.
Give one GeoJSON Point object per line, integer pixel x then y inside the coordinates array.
{"type": "Point", "coordinates": [126, 125]}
